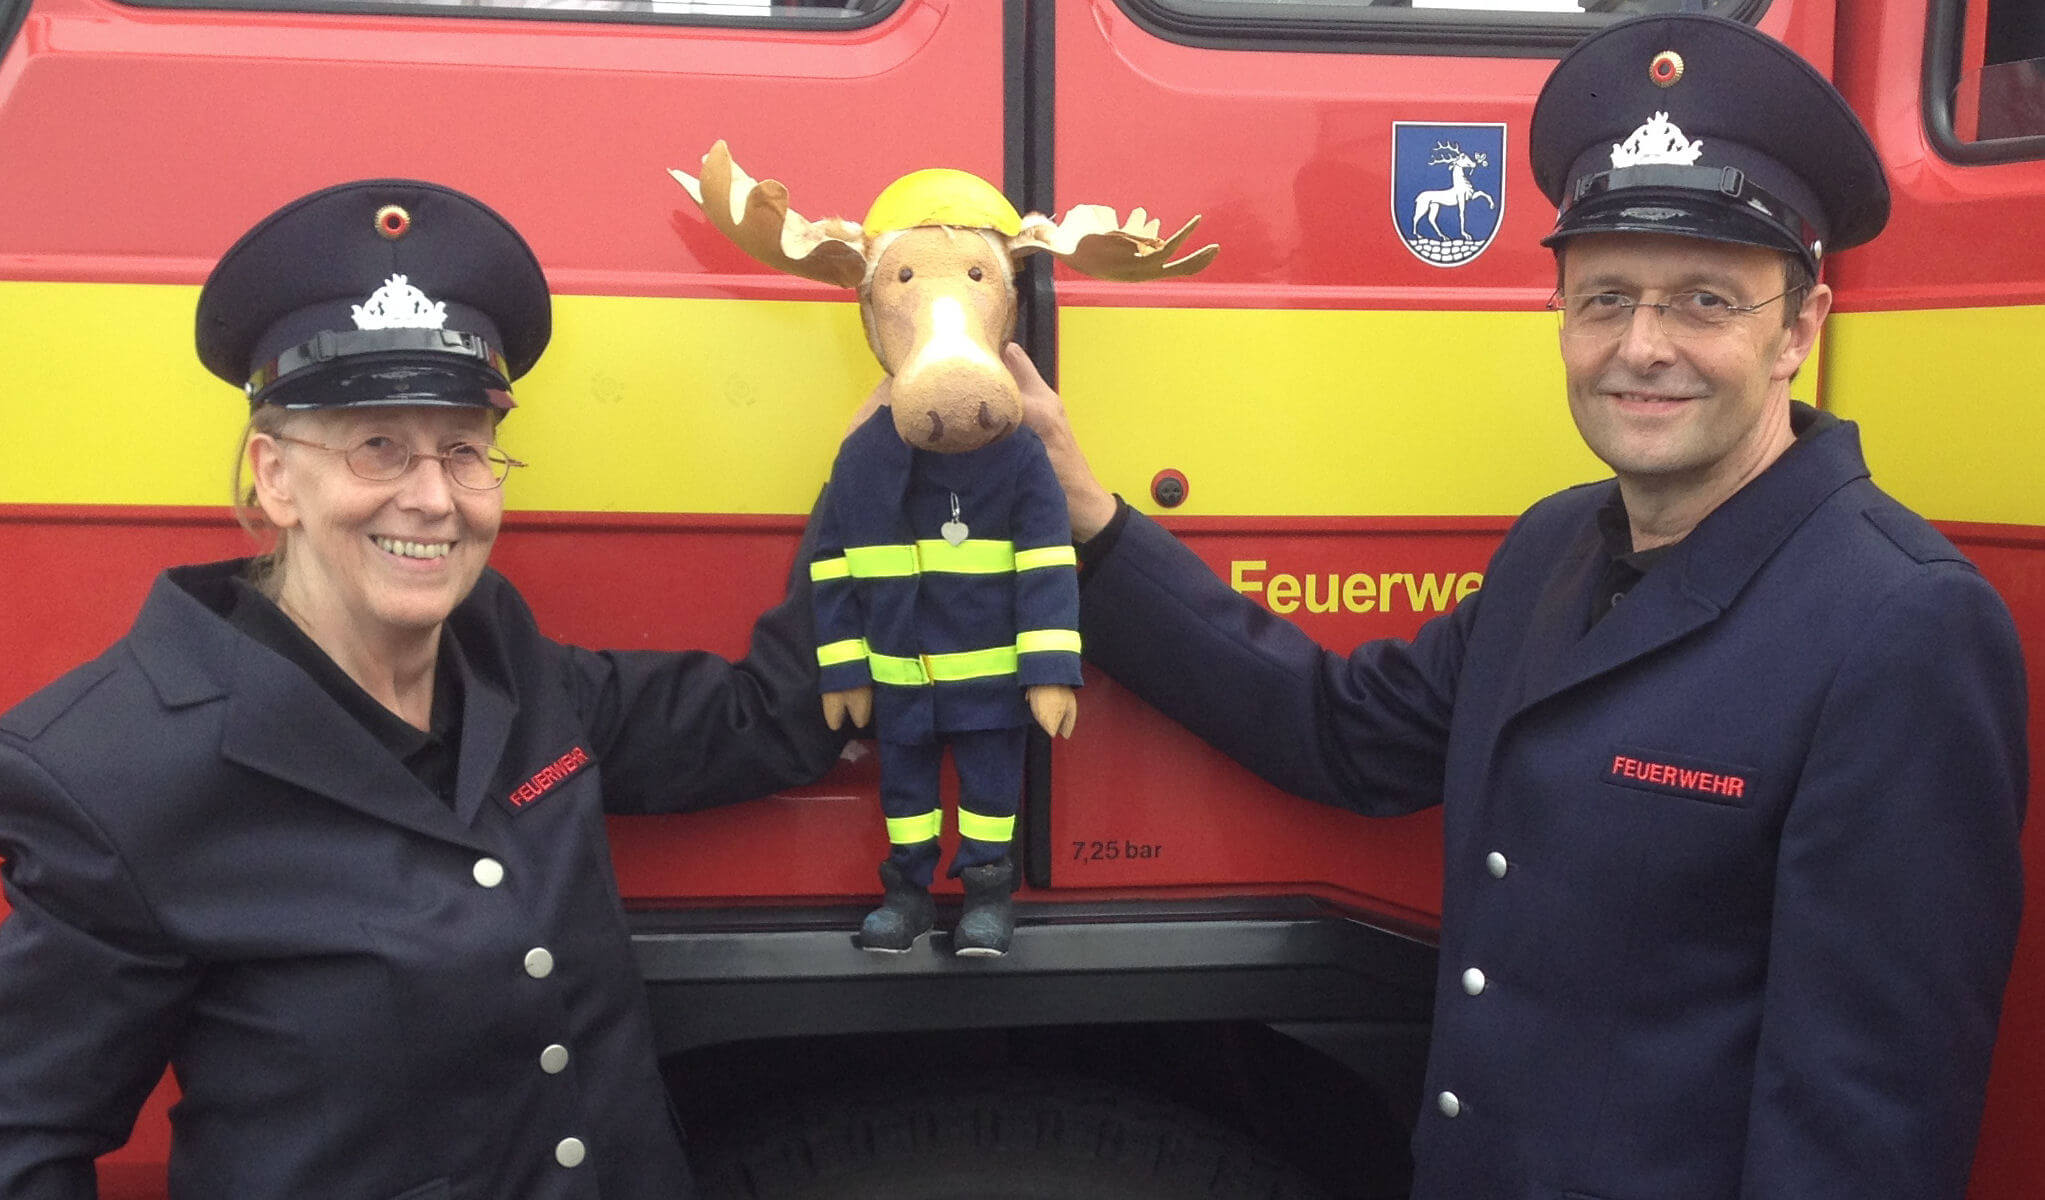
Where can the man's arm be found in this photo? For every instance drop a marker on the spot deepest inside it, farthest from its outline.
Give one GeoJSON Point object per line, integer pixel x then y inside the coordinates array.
{"type": "Point", "coordinates": [1367, 731]}
{"type": "Point", "coordinates": [1897, 893]}
{"type": "Point", "coordinates": [1089, 505]}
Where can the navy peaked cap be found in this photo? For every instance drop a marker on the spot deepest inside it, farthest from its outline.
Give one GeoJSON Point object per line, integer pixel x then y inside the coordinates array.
{"type": "Point", "coordinates": [381, 291]}
{"type": "Point", "coordinates": [1701, 126]}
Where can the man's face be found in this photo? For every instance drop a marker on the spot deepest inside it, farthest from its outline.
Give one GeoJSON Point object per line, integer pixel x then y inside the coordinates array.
{"type": "Point", "coordinates": [1679, 409]}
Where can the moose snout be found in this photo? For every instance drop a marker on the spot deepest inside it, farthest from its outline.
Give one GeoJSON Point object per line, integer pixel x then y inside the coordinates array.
{"type": "Point", "coordinates": [956, 404]}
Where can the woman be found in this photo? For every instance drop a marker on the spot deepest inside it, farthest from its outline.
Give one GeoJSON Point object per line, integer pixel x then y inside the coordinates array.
{"type": "Point", "coordinates": [325, 831]}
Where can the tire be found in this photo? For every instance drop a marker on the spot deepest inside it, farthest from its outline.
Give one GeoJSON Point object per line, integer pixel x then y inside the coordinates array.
{"type": "Point", "coordinates": [1018, 1138]}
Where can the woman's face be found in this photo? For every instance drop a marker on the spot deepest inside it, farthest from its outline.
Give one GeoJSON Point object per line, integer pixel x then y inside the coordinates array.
{"type": "Point", "coordinates": [365, 559]}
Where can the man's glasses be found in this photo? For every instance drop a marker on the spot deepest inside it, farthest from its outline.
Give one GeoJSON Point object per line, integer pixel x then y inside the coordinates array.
{"type": "Point", "coordinates": [1606, 316]}
{"type": "Point", "coordinates": [382, 459]}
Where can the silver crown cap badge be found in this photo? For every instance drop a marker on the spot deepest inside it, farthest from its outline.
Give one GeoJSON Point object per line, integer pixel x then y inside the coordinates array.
{"type": "Point", "coordinates": [1656, 141]}
{"type": "Point", "coordinates": [399, 305]}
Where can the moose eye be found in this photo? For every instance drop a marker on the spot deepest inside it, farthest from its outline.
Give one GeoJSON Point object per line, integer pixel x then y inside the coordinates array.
{"type": "Point", "coordinates": [975, 274]}
{"type": "Point", "coordinates": [906, 275]}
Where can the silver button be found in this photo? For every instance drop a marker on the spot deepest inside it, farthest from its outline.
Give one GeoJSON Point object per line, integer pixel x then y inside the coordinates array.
{"type": "Point", "coordinates": [569, 1152]}
{"type": "Point", "coordinates": [488, 872]}
{"type": "Point", "coordinates": [1449, 1105]}
{"type": "Point", "coordinates": [1473, 981]}
{"type": "Point", "coordinates": [1495, 863]}
{"type": "Point", "coordinates": [538, 963]}
{"type": "Point", "coordinates": [554, 1059]}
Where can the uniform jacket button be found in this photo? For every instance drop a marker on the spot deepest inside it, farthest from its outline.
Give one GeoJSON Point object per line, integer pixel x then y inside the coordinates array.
{"type": "Point", "coordinates": [1473, 981]}
{"type": "Point", "coordinates": [1495, 863]}
{"type": "Point", "coordinates": [539, 963]}
{"type": "Point", "coordinates": [554, 1059]}
{"type": "Point", "coordinates": [488, 872]}
{"type": "Point", "coordinates": [569, 1152]}
{"type": "Point", "coordinates": [1449, 1105]}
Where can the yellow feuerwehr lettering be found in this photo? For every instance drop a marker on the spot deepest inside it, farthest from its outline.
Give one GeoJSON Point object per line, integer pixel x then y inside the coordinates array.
{"type": "Point", "coordinates": [1358, 592]}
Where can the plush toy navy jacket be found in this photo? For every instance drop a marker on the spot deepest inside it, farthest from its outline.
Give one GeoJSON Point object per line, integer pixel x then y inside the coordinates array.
{"type": "Point", "coordinates": [885, 494]}
{"type": "Point", "coordinates": [212, 865]}
{"type": "Point", "coordinates": [1736, 869]}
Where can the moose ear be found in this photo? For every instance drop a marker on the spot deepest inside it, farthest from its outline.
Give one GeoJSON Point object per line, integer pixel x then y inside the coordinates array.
{"type": "Point", "coordinates": [1093, 241]}
{"type": "Point", "coordinates": [756, 217]}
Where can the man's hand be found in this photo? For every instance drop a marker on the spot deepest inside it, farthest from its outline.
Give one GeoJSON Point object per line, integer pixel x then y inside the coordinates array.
{"type": "Point", "coordinates": [1090, 505]}
{"type": "Point", "coordinates": [856, 703]}
{"type": "Point", "coordinates": [882, 393]}
{"type": "Point", "coordinates": [1054, 706]}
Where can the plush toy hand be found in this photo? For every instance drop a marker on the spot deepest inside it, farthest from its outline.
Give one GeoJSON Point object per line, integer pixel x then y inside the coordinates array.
{"type": "Point", "coordinates": [856, 703]}
{"type": "Point", "coordinates": [1054, 706]}
{"type": "Point", "coordinates": [1090, 505]}
{"type": "Point", "coordinates": [882, 393]}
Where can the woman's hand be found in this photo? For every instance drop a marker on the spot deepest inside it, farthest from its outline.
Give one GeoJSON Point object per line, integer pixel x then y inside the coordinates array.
{"type": "Point", "coordinates": [1090, 505]}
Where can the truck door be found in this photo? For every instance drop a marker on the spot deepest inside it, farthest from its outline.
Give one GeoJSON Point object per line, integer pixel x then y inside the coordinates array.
{"type": "Point", "coordinates": [1933, 349]}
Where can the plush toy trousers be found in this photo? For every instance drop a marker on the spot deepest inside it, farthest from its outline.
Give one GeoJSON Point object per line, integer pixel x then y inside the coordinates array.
{"type": "Point", "coordinates": [989, 763]}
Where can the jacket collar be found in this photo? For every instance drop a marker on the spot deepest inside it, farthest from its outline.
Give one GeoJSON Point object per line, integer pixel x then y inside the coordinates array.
{"type": "Point", "coordinates": [283, 724]}
{"type": "Point", "coordinates": [1699, 579]}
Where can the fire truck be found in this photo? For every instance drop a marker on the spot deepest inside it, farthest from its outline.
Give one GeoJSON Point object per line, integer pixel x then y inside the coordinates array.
{"type": "Point", "coordinates": [1217, 989]}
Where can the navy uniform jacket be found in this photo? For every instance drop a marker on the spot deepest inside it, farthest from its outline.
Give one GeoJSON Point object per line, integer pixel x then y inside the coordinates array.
{"type": "Point", "coordinates": [891, 589]}
{"type": "Point", "coordinates": [364, 994]}
{"type": "Point", "coordinates": [1731, 882]}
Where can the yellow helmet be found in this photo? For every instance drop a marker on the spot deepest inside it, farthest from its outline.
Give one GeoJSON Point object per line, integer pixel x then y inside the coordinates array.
{"type": "Point", "coordinates": [941, 196]}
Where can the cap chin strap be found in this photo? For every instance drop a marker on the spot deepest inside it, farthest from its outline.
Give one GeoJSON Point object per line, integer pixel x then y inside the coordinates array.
{"type": "Point", "coordinates": [1729, 182]}
{"type": "Point", "coordinates": [334, 344]}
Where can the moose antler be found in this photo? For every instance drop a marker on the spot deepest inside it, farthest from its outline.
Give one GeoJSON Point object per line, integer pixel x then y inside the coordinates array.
{"type": "Point", "coordinates": [756, 216]}
{"type": "Point", "coordinates": [1093, 241]}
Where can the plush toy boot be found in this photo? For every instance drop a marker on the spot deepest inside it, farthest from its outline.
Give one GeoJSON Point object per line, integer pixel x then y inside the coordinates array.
{"type": "Point", "coordinates": [905, 914]}
{"type": "Point", "coordinates": [989, 916]}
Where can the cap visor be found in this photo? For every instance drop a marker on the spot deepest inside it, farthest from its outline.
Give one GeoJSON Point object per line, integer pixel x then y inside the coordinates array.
{"type": "Point", "coordinates": [1676, 214]}
{"type": "Point", "coordinates": [392, 383]}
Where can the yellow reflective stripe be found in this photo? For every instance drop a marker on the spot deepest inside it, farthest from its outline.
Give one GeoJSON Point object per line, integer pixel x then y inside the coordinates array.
{"type": "Point", "coordinates": [970, 664]}
{"type": "Point", "coordinates": [906, 831]}
{"type": "Point", "coordinates": [880, 562]}
{"type": "Point", "coordinates": [891, 668]}
{"type": "Point", "coordinates": [1046, 556]}
{"type": "Point", "coordinates": [1030, 641]}
{"type": "Point", "coordinates": [829, 568]}
{"type": "Point", "coordinates": [974, 556]}
{"type": "Point", "coordinates": [849, 650]}
{"type": "Point", "coordinates": [985, 829]}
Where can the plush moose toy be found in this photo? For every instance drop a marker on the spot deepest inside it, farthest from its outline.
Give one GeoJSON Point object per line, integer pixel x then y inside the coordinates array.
{"type": "Point", "coordinates": [947, 597]}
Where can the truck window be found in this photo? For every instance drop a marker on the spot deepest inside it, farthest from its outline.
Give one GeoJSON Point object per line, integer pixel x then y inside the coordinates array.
{"type": "Point", "coordinates": [780, 14]}
{"type": "Point", "coordinates": [1416, 26]}
{"type": "Point", "coordinates": [1986, 80]}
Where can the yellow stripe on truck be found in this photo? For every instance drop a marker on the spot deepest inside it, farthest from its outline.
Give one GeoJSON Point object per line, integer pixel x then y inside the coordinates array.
{"type": "Point", "coordinates": [640, 404]}
{"type": "Point", "coordinates": [1948, 409]}
{"type": "Point", "coordinates": [646, 404]}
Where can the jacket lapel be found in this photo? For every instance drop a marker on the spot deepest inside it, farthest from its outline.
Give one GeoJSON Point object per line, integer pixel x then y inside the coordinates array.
{"type": "Point", "coordinates": [280, 723]}
{"type": "Point", "coordinates": [1697, 582]}
{"type": "Point", "coordinates": [487, 714]}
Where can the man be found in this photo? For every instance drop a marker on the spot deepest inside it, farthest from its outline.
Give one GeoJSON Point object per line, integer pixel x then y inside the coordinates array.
{"type": "Point", "coordinates": [1730, 748]}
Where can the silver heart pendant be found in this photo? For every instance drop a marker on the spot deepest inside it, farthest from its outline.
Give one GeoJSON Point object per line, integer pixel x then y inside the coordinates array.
{"type": "Point", "coordinates": [953, 531]}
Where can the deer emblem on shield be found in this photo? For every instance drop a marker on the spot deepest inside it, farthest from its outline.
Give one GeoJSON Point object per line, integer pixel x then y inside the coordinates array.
{"type": "Point", "coordinates": [1459, 192]}
{"type": "Point", "coordinates": [1447, 226]}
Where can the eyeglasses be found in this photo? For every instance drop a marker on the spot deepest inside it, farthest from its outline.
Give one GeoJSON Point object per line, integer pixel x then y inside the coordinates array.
{"type": "Point", "coordinates": [382, 459]}
{"type": "Point", "coordinates": [1606, 316]}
